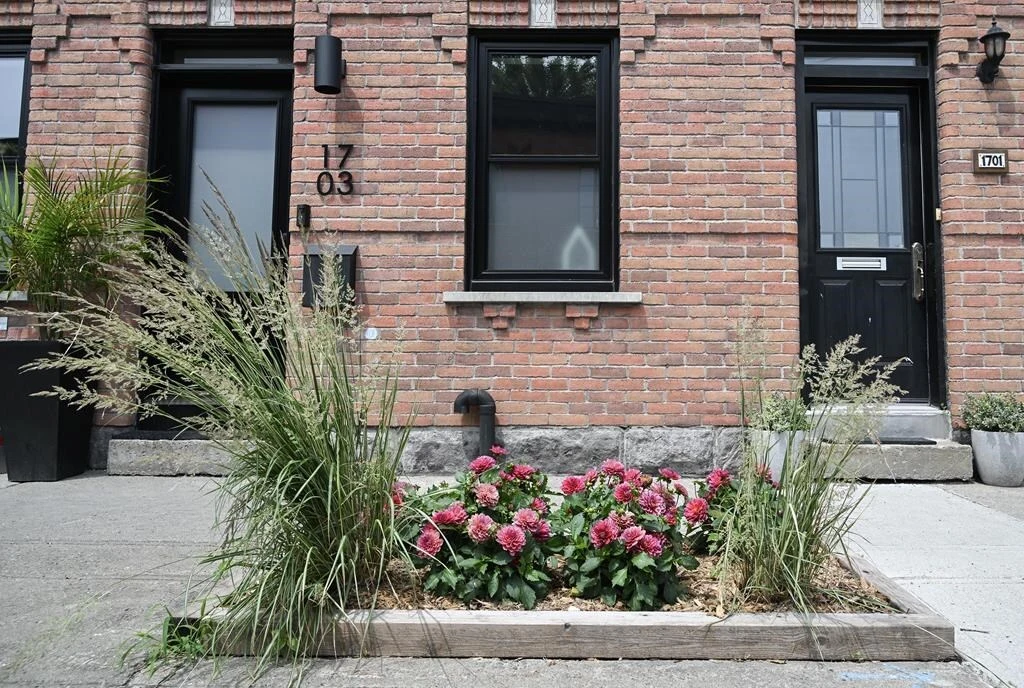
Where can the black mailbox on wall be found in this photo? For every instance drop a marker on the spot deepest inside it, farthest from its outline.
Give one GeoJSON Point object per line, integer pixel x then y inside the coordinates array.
{"type": "Point", "coordinates": [313, 270]}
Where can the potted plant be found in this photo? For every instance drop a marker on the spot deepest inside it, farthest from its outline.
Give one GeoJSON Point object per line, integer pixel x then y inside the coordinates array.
{"type": "Point", "coordinates": [777, 430]}
{"type": "Point", "coordinates": [996, 422]}
{"type": "Point", "coordinates": [57, 240]}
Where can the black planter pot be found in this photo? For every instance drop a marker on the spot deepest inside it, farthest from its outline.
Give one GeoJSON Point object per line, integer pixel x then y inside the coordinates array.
{"type": "Point", "coordinates": [44, 438]}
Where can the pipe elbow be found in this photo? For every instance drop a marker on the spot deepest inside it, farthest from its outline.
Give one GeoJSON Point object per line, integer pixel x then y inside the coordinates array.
{"type": "Point", "coordinates": [474, 397]}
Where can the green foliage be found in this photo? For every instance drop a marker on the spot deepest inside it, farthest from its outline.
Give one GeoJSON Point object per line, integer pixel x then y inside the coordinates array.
{"type": "Point", "coordinates": [307, 420]}
{"type": "Point", "coordinates": [619, 537]}
{"type": "Point", "coordinates": [471, 559]}
{"type": "Point", "coordinates": [994, 412]}
{"type": "Point", "coordinates": [65, 231]}
{"type": "Point", "coordinates": [776, 541]}
{"type": "Point", "coordinates": [779, 412]}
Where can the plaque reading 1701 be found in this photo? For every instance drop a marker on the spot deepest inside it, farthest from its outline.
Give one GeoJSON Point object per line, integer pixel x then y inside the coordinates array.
{"type": "Point", "coordinates": [991, 162]}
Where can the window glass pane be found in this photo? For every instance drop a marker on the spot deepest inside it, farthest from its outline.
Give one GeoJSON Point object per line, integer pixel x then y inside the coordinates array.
{"type": "Point", "coordinates": [543, 218]}
{"type": "Point", "coordinates": [860, 179]}
{"type": "Point", "coordinates": [234, 144]}
{"type": "Point", "coordinates": [12, 82]}
{"type": "Point", "coordinates": [543, 104]}
{"type": "Point", "coordinates": [853, 60]}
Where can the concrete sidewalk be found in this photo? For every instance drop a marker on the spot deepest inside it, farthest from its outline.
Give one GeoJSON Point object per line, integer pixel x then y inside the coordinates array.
{"type": "Point", "coordinates": [86, 563]}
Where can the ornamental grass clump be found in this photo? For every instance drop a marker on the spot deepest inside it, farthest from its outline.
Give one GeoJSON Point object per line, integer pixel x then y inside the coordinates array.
{"type": "Point", "coordinates": [777, 541]}
{"type": "Point", "coordinates": [307, 420]}
{"type": "Point", "coordinates": [487, 536]}
{"type": "Point", "coordinates": [620, 537]}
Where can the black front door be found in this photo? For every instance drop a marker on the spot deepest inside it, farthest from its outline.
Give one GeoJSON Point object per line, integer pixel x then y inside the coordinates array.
{"type": "Point", "coordinates": [864, 239]}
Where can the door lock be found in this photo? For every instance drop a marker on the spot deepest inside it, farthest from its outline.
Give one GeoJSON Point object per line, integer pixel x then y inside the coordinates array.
{"type": "Point", "coordinates": [917, 258]}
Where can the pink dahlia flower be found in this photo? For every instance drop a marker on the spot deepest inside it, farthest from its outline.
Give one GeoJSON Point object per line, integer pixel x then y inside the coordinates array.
{"type": "Point", "coordinates": [498, 450]}
{"type": "Point", "coordinates": [652, 502]}
{"type": "Point", "coordinates": [429, 542]}
{"type": "Point", "coordinates": [623, 493]}
{"type": "Point", "coordinates": [572, 485]}
{"type": "Point", "coordinates": [672, 515]}
{"type": "Point", "coordinates": [454, 515]}
{"type": "Point", "coordinates": [486, 495]}
{"type": "Point", "coordinates": [603, 533]}
{"type": "Point", "coordinates": [543, 531]}
{"type": "Point", "coordinates": [512, 539]}
{"type": "Point", "coordinates": [632, 538]}
{"type": "Point", "coordinates": [718, 479]}
{"type": "Point", "coordinates": [668, 474]}
{"type": "Point", "coordinates": [527, 519]}
{"type": "Point", "coordinates": [590, 476]}
{"type": "Point", "coordinates": [480, 527]}
{"type": "Point", "coordinates": [623, 520]}
{"type": "Point", "coordinates": [523, 471]}
{"type": "Point", "coordinates": [681, 489]}
{"type": "Point", "coordinates": [651, 544]}
{"type": "Point", "coordinates": [614, 468]}
{"type": "Point", "coordinates": [696, 511]}
{"type": "Point", "coordinates": [634, 476]}
{"type": "Point", "coordinates": [539, 505]}
{"type": "Point", "coordinates": [482, 463]}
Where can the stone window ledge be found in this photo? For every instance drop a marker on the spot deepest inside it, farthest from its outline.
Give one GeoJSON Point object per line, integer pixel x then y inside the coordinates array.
{"type": "Point", "coordinates": [581, 307]}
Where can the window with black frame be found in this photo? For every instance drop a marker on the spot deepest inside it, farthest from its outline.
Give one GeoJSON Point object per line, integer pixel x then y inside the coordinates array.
{"type": "Point", "coordinates": [542, 177]}
{"type": "Point", "coordinates": [13, 116]}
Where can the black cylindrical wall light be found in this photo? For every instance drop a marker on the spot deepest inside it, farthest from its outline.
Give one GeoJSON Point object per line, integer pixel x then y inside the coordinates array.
{"type": "Point", "coordinates": [328, 67]}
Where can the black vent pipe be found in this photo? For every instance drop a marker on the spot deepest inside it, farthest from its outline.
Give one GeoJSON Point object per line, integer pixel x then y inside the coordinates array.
{"type": "Point", "coordinates": [485, 402]}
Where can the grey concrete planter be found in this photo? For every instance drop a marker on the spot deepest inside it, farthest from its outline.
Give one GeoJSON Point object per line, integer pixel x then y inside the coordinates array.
{"type": "Point", "coordinates": [999, 457]}
{"type": "Point", "coordinates": [770, 447]}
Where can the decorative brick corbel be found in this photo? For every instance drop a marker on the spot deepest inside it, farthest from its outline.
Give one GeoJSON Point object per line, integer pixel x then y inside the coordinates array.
{"type": "Point", "coordinates": [500, 314]}
{"type": "Point", "coordinates": [581, 314]}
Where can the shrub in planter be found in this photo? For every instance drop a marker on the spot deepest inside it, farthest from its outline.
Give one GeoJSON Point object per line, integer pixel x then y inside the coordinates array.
{"type": "Point", "coordinates": [487, 536]}
{"type": "Point", "coordinates": [620, 536]}
{"type": "Point", "coordinates": [997, 437]}
{"type": "Point", "coordinates": [777, 430]}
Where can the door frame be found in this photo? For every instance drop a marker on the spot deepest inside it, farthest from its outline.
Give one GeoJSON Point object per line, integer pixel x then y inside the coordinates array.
{"type": "Point", "coordinates": [920, 80]}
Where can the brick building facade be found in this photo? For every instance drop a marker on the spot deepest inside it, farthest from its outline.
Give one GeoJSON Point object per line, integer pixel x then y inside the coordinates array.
{"type": "Point", "coordinates": [703, 186]}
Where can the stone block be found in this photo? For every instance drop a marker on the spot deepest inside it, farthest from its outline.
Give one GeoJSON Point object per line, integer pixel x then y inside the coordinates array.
{"type": "Point", "coordinates": [691, 451]}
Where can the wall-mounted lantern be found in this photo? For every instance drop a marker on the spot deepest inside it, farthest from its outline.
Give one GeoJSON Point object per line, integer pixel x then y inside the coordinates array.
{"type": "Point", "coordinates": [313, 270]}
{"type": "Point", "coordinates": [328, 66]}
{"type": "Point", "coordinates": [994, 41]}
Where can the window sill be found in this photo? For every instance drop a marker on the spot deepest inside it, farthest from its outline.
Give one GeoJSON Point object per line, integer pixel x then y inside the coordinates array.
{"type": "Point", "coordinates": [14, 296]}
{"type": "Point", "coordinates": [581, 307]}
{"type": "Point", "coordinates": [511, 297]}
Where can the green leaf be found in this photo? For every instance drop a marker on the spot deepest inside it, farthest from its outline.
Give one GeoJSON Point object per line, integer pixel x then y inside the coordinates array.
{"type": "Point", "coordinates": [609, 599]}
{"type": "Point", "coordinates": [688, 562]}
{"type": "Point", "coordinates": [449, 578]}
{"type": "Point", "coordinates": [590, 564]}
{"type": "Point", "coordinates": [502, 558]}
{"type": "Point", "coordinates": [512, 587]}
{"type": "Point", "coordinates": [620, 576]}
{"type": "Point", "coordinates": [527, 597]}
{"type": "Point", "coordinates": [643, 561]}
{"type": "Point", "coordinates": [492, 585]}
{"type": "Point", "coordinates": [468, 563]}
{"type": "Point", "coordinates": [576, 525]}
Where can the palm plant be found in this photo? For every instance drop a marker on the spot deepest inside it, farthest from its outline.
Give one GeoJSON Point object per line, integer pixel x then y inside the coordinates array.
{"type": "Point", "coordinates": [59, 237]}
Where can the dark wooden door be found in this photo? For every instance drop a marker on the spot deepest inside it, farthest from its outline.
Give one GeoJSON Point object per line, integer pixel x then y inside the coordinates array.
{"type": "Point", "coordinates": [864, 206]}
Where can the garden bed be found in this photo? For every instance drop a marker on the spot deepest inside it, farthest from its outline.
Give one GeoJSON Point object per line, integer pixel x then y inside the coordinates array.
{"type": "Point", "coordinates": [914, 633]}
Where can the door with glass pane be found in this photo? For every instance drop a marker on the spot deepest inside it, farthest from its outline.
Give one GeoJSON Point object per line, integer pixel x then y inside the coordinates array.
{"type": "Point", "coordinates": [866, 273]}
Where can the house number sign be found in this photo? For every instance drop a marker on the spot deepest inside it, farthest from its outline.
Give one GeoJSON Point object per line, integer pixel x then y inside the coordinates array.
{"type": "Point", "coordinates": [990, 162]}
{"type": "Point", "coordinates": [330, 182]}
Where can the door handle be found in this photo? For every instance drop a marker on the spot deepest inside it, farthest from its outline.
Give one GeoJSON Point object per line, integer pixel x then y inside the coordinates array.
{"type": "Point", "coordinates": [917, 258]}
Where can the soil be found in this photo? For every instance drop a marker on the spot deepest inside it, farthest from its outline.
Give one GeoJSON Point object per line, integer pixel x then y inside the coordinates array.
{"type": "Point", "coordinates": [847, 594]}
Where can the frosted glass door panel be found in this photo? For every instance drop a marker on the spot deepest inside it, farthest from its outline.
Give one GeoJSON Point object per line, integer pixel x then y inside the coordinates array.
{"type": "Point", "coordinates": [543, 218]}
{"type": "Point", "coordinates": [235, 145]}
{"type": "Point", "coordinates": [860, 179]}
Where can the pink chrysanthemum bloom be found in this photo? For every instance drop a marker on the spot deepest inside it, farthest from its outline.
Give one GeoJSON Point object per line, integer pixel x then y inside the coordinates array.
{"type": "Point", "coordinates": [652, 502]}
{"type": "Point", "coordinates": [498, 450]}
{"type": "Point", "coordinates": [672, 515]}
{"type": "Point", "coordinates": [486, 495]}
{"type": "Point", "coordinates": [527, 519]}
{"type": "Point", "coordinates": [681, 489]}
{"type": "Point", "coordinates": [632, 537]}
{"type": "Point", "coordinates": [429, 542]}
{"type": "Point", "coordinates": [539, 505]}
{"type": "Point", "coordinates": [696, 511]}
{"type": "Point", "coordinates": [482, 463]}
{"type": "Point", "coordinates": [522, 471]}
{"type": "Point", "coordinates": [590, 476]}
{"type": "Point", "coordinates": [512, 539]}
{"type": "Point", "coordinates": [623, 520]}
{"type": "Point", "coordinates": [633, 476]}
{"type": "Point", "coordinates": [652, 545]}
{"type": "Point", "coordinates": [668, 474]}
{"type": "Point", "coordinates": [623, 493]}
{"type": "Point", "coordinates": [454, 515]}
{"type": "Point", "coordinates": [718, 479]}
{"type": "Point", "coordinates": [603, 533]}
{"type": "Point", "coordinates": [573, 484]}
{"type": "Point", "coordinates": [480, 527]}
{"type": "Point", "coordinates": [543, 531]}
{"type": "Point", "coordinates": [614, 468]}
